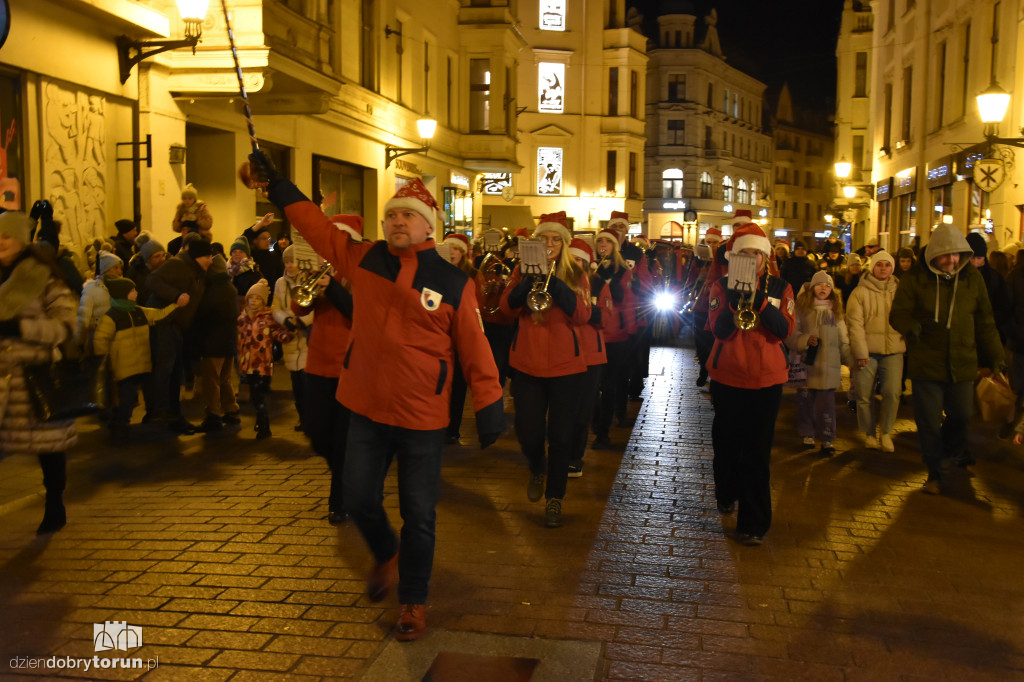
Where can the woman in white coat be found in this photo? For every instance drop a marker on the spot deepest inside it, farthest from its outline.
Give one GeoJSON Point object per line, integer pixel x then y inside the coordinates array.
{"type": "Point", "coordinates": [294, 351]}
{"type": "Point", "coordinates": [877, 350]}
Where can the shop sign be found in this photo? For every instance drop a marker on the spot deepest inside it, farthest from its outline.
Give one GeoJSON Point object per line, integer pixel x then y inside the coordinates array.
{"type": "Point", "coordinates": [458, 179]}
{"type": "Point", "coordinates": [940, 172]}
{"type": "Point", "coordinates": [883, 190]}
{"type": "Point", "coordinates": [904, 182]}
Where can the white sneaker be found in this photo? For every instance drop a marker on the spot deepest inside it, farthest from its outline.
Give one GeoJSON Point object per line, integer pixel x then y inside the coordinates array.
{"type": "Point", "coordinates": [870, 442]}
{"type": "Point", "coordinates": [887, 444]}
{"type": "Point", "coordinates": [809, 441]}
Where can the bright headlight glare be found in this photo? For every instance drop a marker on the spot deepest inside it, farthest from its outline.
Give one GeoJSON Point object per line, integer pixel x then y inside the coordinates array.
{"type": "Point", "coordinates": [665, 301]}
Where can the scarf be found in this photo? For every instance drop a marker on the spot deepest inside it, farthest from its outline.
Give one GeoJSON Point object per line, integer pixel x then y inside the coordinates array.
{"type": "Point", "coordinates": [823, 314]}
{"type": "Point", "coordinates": [123, 304]}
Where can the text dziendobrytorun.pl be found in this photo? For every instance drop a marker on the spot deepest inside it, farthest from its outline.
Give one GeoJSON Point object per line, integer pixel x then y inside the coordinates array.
{"type": "Point", "coordinates": [84, 664]}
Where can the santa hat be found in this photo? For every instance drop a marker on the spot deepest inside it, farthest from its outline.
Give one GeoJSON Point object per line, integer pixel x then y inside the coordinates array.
{"type": "Point", "coordinates": [613, 234]}
{"type": "Point", "coordinates": [523, 233]}
{"type": "Point", "coordinates": [580, 249]}
{"type": "Point", "coordinates": [619, 218]}
{"type": "Point", "coordinates": [260, 290]}
{"type": "Point", "coordinates": [742, 216]}
{"type": "Point", "coordinates": [352, 224]}
{"type": "Point", "coordinates": [457, 241]}
{"type": "Point", "coordinates": [713, 232]}
{"type": "Point", "coordinates": [554, 222]}
{"type": "Point", "coordinates": [417, 197]}
{"type": "Point", "coordinates": [749, 236]}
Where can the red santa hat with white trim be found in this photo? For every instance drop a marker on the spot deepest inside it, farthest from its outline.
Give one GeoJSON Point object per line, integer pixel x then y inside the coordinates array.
{"type": "Point", "coordinates": [749, 236]}
{"type": "Point", "coordinates": [742, 216]}
{"type": "Point", "coordinates": [612, 234]}
{"type": "Point", "coordinates": [416, 196]}
{"type": "Point", "coordinates": [352, 224]}
{"type": "Point", "coordinates": [713, 232]}
{"type": "Point", "coordinates": [554, 222]}
{"type": "Point", "coordinates": [457, 241]}
{"type": "Point", "coordinates": [580, 249]}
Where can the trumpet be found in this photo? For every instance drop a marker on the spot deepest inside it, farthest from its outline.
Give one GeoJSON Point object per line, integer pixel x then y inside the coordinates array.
{"type": "Point", "coordinates": [495, 274]}
{"type": "Point", "coordinates": [307, 290]}
{"type": "Point", "coordinates": [539, 300]}
{"type": "Point", "coordinates": [745, 317]}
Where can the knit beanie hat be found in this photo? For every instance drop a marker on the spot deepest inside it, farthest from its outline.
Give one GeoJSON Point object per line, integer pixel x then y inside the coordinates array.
{"type": "Point", "coordinates": [260, 290]}
{"type": "Point", "coordinates": [107, 261]}
{"type": "Point", "coordinates": [352, 224]}
{"type": "Point", "coordinates": [200, 247]}
{"type": "Point", "coordinates": [120, 287]}
{"type": "Point", "coordinates": [416, 196]}
{"type": "Point", "coordinates": [880, 256]}
{"type": "Point", "coordinates": [799, 244]}
{"type": "Point", "coordinates": [150, 247]}
{"type": "Point", "coordinates": [217, 266]}
{"type": "Point", "coordinates": [853, 259]}
{"type": "Point", "coordinates": [124, 226]}
{"type": "Point", "coordinates": [17, 226]}
{"type": "Point", "coordinates": [189, 192]}
{"type": "Point", "coordinates": [749, 236]}
{"type": "Point", "coordinates": [580, 249]}
{"type": "Point", "coordinates": [288, 255]}
{"type": "Point", "coordinates": [978, 244]}
{"type": "Point", "coordinates": [554, 222]}
{"type": "Point", "coordinates": [821, 277]}
{"type": "Point", "coordinates": [906, 252]}
{"type": "Point", "coordinates": [457, 241]}
{"type": "Point", "coordinates": [241, 244]}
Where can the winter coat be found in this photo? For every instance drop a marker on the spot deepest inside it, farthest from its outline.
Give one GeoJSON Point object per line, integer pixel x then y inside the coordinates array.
{"type": "Point", "coordinates": [550, 347]}
{"type": "Point", "coordinates": [591, 334]}
{"type": "Point", "coordinates": [45, 310]}
{"type": "Point", "coordinates": [833, 345]}
{"type": "Point", "coordinates": [295, 350]}
{"type": "Point", "coordinates": [867, 318]}
{"type": "Point", "coordinates": [124, 336]}
{"type": "Point", "coordinates": [412, 312]}
{"type": "Point", "coordinates": [93, 305]}
{"type": "Point", "coordinates": [243, 275]}
{"type": "Point", "coordinates": [217, 317]}
{"type": "Point", "coordinates": [138, 272]}
{"type": "Point", "coordinates": [177, 276]}
{"type": "Point", "coordinates": [942, 315]}
{"type": "Point", "coordinates": [123, 248]}
{"type": "Point", "coordinates": [257, 332]}
{"type": "Point", "coordinates": [198, 212]}
{"type": "Point", "coordinates": [755, 358]}
{"type": "Point", "coordinates": [999, 297]}
{"type": "Point", "coordinates": [1015, 326]}
{"type": "Point", "coordinates": [330, 333]}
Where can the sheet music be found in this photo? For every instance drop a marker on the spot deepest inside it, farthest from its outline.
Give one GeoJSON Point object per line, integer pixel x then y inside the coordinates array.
{"type": "Point", "coordinates": [702, 252]}
{"type": "Point", "coordinates": [492, 240]}
{"type": "Point", "coordinates": [533, 257]}
{"type": "Point", "coordinates": [742, 272]}
{"type": "Point", "coordinates": [306, 258]}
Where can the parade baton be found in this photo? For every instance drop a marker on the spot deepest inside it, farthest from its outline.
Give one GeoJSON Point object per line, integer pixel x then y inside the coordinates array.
{"type": "Point", "coordinates": [241, 81]}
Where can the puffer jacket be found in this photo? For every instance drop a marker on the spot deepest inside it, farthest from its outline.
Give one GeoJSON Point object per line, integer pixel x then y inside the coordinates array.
{"type": "Point", "coordinates": [295, 350]}
{"type": "Point", "coordinates": [124, 335]}
{"type": "Point", "coordinates": [94, 304]}
{"type": "Point", "coordinates": [257, 332]}
{"type": "Point", "coordinates": [867, 318]}
{"type": "Point", "coordinates": [45, 309]}
{"type": "Point", "coordinates": [941, 315]}
{"type": "Point", "coordinates": [833, 346]}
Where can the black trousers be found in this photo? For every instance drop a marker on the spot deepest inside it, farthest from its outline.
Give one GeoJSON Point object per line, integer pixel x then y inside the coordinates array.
{"type": "Point", "coordinates": [703, 340]}
{"type": "Point", "coordinates": [742, 433]}
{"type": "Point", "coordinates": [588, 400]}
{"type": "Point", "coordinates": [614, 388]}
{"type": "Point", "coordinates": [546, 410]}
{"type": "Point", "coordinates": [326, 423]}
{"type": "Point", "coordinates": [499, 336]}
{"type": "Point", "coordinates": [639, 360]}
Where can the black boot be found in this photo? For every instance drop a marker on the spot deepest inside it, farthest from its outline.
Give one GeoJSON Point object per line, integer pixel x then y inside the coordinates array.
{"type": "Point", "coordinates": [262, 425]}
{"type": "Point", "coordinates": [54, 466]}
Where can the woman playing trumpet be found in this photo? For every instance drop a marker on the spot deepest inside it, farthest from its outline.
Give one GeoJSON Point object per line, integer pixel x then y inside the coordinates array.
{"type": "Point", "coordinates": [548, 362]}
{"type": "Point", "coordinates": [747, 366]}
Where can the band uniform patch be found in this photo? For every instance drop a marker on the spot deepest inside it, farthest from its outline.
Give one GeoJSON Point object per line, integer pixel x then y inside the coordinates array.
{"type": "Point", "coordinates": [430, 299]}
{"type": "Point", "coordinates": [790, 307]}
{"type": "Point", "coordinates": [713, 303]}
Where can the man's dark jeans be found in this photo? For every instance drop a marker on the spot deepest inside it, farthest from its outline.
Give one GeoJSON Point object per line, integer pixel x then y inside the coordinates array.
{"type": "Point", "coordinates": [371, 446]}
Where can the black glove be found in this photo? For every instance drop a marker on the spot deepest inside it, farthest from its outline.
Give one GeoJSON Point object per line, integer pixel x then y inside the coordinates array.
{"type": "Point", "coordinates": [758, 299]}
{"type": "Point", "coordinates": [490, 423]}
{"type": "Point", "coordinates": [563, 296]}
{"type": "Point", "coordinates": [517, 297]}
{"type": "Point", "coordinates": [290, 325]}
{"type": "Point", "coordinates": [41, 209]}
{"type": "Point", "coordinates": [10, 328]}
{"type": "Point", "coordinates": [263, 167]}
{"type": "Point", "coordinates": [616, 288]}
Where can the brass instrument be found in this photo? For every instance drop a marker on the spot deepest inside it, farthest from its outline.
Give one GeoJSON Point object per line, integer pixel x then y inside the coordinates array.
{"type": "Point", "coordinates": [495, 274]}
{"type": "Point", "coordinates": [539, 300]}
{"type": "Point", "coordinates": [307, 290]}
{"type": "Point", "coordinates": [745, 317]}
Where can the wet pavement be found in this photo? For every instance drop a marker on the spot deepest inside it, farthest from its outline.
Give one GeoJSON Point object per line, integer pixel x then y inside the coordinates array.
{"type": "Point", "coordinates": [217, 549]}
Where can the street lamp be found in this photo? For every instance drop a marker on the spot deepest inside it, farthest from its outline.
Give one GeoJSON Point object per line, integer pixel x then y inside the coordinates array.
{"type": "Point", "coordinates": [193, 14]}
{"type": "Point", "coordinates": [992, 105]}
{"type": "Point", "coordinates": [426, 127]}
{"type": "Point", "coordinates": [843, 168]}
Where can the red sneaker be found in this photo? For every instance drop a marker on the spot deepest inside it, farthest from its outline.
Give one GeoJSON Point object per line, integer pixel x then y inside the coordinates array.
{"type": "Point", "coordinates": [412, 622]}
{"type": "Point", "coordinates": [383, 579]}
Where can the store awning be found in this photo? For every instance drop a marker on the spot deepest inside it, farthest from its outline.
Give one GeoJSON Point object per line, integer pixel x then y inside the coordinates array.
{"type": "Point", "coordinates": [512, 216]}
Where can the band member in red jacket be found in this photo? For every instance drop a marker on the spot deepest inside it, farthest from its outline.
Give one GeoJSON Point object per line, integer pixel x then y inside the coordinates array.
{"type": "Point", "coordinates": [748, 368]}
{"type": "Point", "coordinates": [327, 425]}
{"type": "Point", "coordinates": [549, 364]}
{"type": "Point", "coordinates": [595, 355]}
{"type": "Point", "coordinates": [618, 304]}
{"type": "Point", "coordinates": [412, 311]}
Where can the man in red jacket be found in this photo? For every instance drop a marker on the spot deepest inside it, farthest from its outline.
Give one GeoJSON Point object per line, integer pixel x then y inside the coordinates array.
{"type": "Point", "coordinates": [412, 311]}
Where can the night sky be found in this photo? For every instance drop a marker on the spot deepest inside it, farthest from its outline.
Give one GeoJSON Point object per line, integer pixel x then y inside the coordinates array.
{"type": "Point", "coordinates": [793, 41]}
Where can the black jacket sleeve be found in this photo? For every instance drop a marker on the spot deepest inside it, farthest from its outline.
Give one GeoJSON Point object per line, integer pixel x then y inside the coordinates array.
{"type": "Point", "coordinates": [339, 297]}
{"type": "Point", "coordinates": [563, 296]}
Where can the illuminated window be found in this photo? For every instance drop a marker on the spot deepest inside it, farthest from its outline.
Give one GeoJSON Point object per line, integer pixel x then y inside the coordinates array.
{"type": "Point", "coordinates": [479, 95]}
{"type": "Point", "coordinates": [726, 188]}
{"type": "Point", "coordinates": [552, 15]}
{"type": "Point", "coordinates": [549, 170]}
{"type": "Point", "coordinates": [494, 183]}
{"type": "Point", "coordinates": [705, 185]}
{"type": "Point", "coordinates": [742, 195]}
{"type": "Point", "coordinates": [551, 93]}
{"type": "Point", "coordinates": [672, 184]}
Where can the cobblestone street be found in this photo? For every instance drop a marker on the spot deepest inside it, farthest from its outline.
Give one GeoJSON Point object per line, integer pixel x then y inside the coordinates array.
{"type": "Point", "coordinates": [218, 549]}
